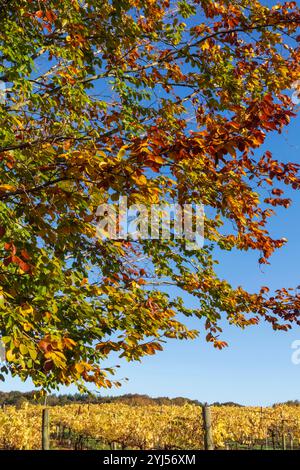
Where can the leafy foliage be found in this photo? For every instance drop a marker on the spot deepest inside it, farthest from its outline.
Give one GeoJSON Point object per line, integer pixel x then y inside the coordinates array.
{"type": "Point", "coordinates": [158, 101]}
{"type": "Point", "coordinates": [180, 427]}
{"type": "Point", "coordinates": [152, 426]}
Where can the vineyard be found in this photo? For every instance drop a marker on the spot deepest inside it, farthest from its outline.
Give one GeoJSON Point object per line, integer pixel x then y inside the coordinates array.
{"type": "Point", "coordinates": [121, 426]}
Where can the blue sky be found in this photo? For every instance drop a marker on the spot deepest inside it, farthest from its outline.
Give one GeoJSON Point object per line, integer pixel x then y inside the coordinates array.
{"type": "Point", "coordinates": [256, 368]}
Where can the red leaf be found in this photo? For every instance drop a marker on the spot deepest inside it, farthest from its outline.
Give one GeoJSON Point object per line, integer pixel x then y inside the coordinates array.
{"type": "Point", "coordinates": [25, 255]}
{"type": "Point", "coordinates": [22, 264]}
{"type": "Point", "coordinates": [48, 365]}
{"type": "Point", "coordinates": [51, 16]}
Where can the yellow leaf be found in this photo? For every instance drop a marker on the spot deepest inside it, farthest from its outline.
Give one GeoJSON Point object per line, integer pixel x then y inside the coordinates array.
{"type": "Point", "coordinates": [122, 152]}
{"type": "Point", "coordinates": [10, 356]}
{"type": "Point", "coordinates": [69, 343]}
{"type": "Point", "coordinates": [79, 367]}
{"type": "Point", "coordinates": [6, 187]}
{"type": "Point", "coordinates": [27, 326]}
{"type": "Point", "coordinates": [23, 349]}
{"type": "Point", "coordinates": [26, 310]}
{"type": "Point", "coordinates": [205, 46]}
{"type": "Point", "coordinates": [141, 180]}
{"type": "Point", "coordinates": [32, 354]}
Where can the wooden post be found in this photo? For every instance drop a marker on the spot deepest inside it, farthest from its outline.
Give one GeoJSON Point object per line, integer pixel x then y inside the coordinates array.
{"type": "Point", "coordinates": [283, 442]}
{"type": "Point", "coordinates": [207, 427]}
{"type": "Point", "coordinates": [58, 432]}
{"type": "Point", "coordinates": [62, 431]}
{"type": "Point", "coordinates": [45, 430]}
{"type": "Point", "coordinates": [273, 440]}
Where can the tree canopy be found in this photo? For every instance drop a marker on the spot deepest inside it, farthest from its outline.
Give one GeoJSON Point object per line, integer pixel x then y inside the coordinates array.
{"type": "Point", "coordinates": [156, 100]}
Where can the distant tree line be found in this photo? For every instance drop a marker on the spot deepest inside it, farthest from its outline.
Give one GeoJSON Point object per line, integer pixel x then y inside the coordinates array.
{"type": "Point", "coordinates": [18, 398]}
{"type": "Point", "coordinates": [288, 402]}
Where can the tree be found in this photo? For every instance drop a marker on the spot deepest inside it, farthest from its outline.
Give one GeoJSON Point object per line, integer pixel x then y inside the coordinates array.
{"type": "Point", "coordinates": [155, 100]}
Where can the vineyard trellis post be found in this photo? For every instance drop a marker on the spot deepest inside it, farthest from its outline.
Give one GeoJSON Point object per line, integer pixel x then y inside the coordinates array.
{"type": "Point", "coordinates": [283, 442]}
{"type": "Point", "coordinates": [207, 428]}
{"type": "Point", "coordinates": [45, 430]}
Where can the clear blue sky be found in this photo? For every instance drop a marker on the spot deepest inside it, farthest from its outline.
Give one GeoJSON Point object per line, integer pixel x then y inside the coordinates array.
{"type": "Point", "coordinates": [256, 368]}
